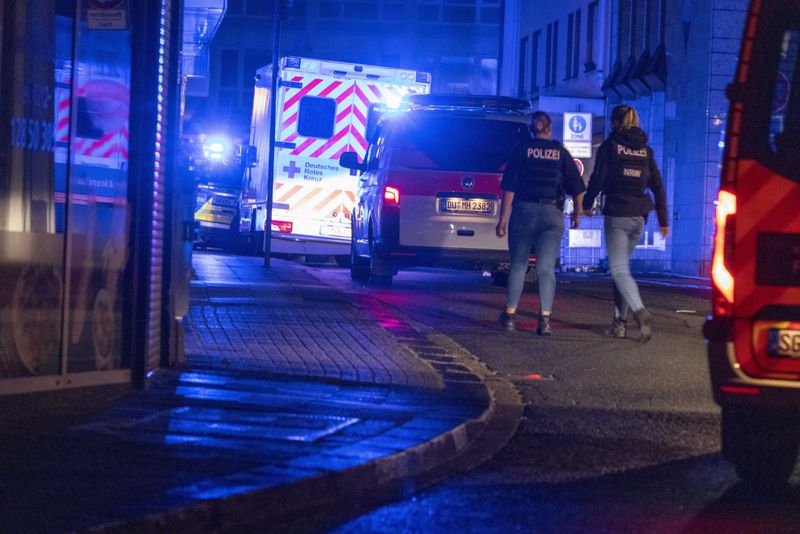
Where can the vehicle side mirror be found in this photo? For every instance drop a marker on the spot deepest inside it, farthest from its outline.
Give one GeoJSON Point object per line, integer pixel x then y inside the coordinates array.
{"type": "Point", "coordinates": [349, 160]}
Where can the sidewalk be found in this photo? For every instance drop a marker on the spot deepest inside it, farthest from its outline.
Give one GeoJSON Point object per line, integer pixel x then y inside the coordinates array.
{"type": "Point", "coordinates": [295, 406]}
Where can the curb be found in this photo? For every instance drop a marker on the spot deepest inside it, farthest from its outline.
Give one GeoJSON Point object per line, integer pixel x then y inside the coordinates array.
{"type": "Point", "coordinates": [319, 502]}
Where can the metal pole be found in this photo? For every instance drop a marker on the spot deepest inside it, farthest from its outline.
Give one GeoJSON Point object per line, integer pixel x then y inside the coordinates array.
{"type": "Point", "coordinates": [273, 115]}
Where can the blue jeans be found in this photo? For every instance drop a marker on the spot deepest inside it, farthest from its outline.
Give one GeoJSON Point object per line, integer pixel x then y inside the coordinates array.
{"type": "Point", "coordinates": [622, 235]}
{"type": "Point", "coordinates": [541, 225]}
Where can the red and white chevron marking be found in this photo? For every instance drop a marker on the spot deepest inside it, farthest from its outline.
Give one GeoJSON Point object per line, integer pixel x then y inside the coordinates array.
{"type": "Point", "coordinates": [367, 94]}
{"type": "Point", "coordinates": [342, 92]}
{"type": "Point", "coordinates": [314, 201]}
{"type": "Point", "coordinates": [352, 110]}
{"type": "Point", "coordinates": [62, 115]}
{"type": "Point", "coordinates": [111, 144]}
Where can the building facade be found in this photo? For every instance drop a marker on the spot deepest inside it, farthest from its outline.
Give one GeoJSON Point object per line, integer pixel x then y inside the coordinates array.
{"type": "Point", "coordinates": [671, 59]}
{"type": "Point", "coordinates": [457, 41]}
{"type": "Point", "coordinates": [89, 110]}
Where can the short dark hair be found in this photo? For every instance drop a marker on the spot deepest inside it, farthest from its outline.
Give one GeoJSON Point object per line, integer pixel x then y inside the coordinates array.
{"type": "Point", "coordinates": [542, 118]}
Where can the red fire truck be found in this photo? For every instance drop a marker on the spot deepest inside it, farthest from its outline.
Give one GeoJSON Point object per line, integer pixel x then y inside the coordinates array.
{"type": "Point", "coordinates": [754, 332]}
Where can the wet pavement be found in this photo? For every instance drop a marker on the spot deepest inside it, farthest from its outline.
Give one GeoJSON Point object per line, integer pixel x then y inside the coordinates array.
{"type": "Point", "coordinates": [295, 405]}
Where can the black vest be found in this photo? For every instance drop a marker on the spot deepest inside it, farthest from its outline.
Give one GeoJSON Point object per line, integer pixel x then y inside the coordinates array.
{"type": "Point", "coordinates": [630, 171]}
{"type": "Point", "coordinates": [542, 175]}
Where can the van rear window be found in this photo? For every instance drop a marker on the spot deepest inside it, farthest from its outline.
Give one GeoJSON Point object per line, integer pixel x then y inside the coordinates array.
{"type": "Point", "coordinates": [785, 119]}
{"type": "Point", "coordinates": [456, 143]}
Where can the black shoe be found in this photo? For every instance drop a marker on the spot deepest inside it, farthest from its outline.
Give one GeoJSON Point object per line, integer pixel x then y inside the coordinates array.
{"type": "Point", "coordinates": [645, 321]}
{"type": "Point", "coordinates": [617, 329]}
{"type": "Point", "coordinates": [507, 321]}
{"type": "Point", "coordinates": [543, 329]}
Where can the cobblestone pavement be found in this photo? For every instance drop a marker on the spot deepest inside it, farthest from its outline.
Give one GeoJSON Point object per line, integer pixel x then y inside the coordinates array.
{"type": "Point", "coordinates": [290, 323]}
{"type": "Point", "coordinates": [293, 407]}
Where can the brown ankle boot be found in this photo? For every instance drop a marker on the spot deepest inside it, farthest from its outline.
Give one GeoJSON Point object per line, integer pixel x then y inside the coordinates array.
{"type": "Point", "coordinates": [543, 328]}
{"type": "Point", "coordinates": [645, 321]}
{"type": "Point", "coordinates": [617, 329]}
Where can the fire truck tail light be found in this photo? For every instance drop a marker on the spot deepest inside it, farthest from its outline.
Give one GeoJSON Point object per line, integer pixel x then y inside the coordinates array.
{"type": "Point", "coordinates": [282, 226]}
{"type": "Point", "coordinates": [391, 195]}
{"type": "Point", "coordinates": [723, 252]}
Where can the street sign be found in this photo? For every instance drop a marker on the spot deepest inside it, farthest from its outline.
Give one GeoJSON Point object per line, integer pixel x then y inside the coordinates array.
{"type": "Point", "coordinates": [579, 150]}
{"type": "Point", "coordinates": [578, 127]}
{"type": "Point", "coordinates": [579, 164]}
{"type": "Point", "coordinates": [781, 96]}
{"type": "Point", "coordinates": [578, 134]}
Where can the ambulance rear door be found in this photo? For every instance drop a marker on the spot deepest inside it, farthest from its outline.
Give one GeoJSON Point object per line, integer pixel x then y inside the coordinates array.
{"type": "Point", "coordinates": [311, 199]}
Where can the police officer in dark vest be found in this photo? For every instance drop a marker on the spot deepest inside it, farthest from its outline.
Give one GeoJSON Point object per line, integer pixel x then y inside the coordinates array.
{"type": "Point", "coordinates": [539, 174]}
{"type": "Point", "coordinates": [624, 170]}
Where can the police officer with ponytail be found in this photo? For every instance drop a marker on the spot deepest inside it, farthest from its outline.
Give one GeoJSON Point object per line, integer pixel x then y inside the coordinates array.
{"type": "Point", "coordinates": [624, 170]}
{"type": "Point", "coordinates": [539, 174]}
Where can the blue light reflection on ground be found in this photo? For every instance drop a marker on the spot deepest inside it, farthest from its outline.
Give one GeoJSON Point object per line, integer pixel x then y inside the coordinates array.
{"type": "Point", "coordinates": [227, 412]}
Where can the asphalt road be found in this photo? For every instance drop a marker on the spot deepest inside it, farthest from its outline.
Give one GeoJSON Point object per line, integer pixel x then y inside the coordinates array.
{"type": "Point", "coordinates": [617, 437]}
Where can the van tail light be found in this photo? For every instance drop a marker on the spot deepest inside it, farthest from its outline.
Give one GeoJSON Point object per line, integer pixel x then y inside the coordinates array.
{"type": "Point", "coordinates": [282, 226]}
{"type": "Point", "coordinates": [723, 255]}
{"type": "Point", "coordinates": [391, 195]}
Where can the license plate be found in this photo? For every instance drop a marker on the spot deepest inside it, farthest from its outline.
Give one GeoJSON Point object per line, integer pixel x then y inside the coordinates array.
{"type": "Point", "coordinates": [225, 201]}
{"type": "Point", "coordinates": [466, 205]}
{"type": "Point", "coordinates": [783, 342]}
{"type": "Point", "coordinates": [335, 231]}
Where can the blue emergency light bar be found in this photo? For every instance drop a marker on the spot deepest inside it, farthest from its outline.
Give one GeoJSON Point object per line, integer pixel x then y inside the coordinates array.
{"type": "Point", "coordinates": [469, 102]}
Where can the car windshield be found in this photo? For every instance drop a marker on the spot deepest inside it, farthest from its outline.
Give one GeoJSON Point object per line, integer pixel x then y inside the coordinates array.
{"type": "Point", "coordinates": [456, 143]}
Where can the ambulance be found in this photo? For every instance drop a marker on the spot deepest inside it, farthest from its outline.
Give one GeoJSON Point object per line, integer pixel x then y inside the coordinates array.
{"type": "Point", "coordinates": [754, 331]}
{"type": "Point", "coordinates": [324, 108]}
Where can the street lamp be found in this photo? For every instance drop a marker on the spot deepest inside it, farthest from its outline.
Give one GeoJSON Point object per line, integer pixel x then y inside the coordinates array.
{"type": "Point", "coordinates": [276, 57]}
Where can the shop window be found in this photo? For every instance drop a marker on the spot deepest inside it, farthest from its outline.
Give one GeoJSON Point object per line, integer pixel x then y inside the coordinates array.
{"type": "Point", "coordinates": [523, 63]}
{"type": "Point", "coordinates": [428, 13]}
{"type": "Point", "coordinates": [330, 10]}
{"type": "Point", "coordinates": [228, 100]}
{"type": "Point", "coordinates": [360, 11]}
{"type": "Point", "coordinates": [234, 7]}
{"type": "Point", "coordinates": [297, 9]}
{"type": "Point", "coordinates": [570, 30]}
{"type": "Point", "coordinates": [591, 37]}
{"type": "Point", "coordinates": [254, 59]}
{"type": "Point", "coordinates": [488, 76]}
{"type": "Point", "coordinates": [459, 14]}
{"type": "Point", "coordinates": [316, 117]}
{"type": "Point", "coordinates": [260, 8]}
{"type": "Point", "coordinates": [394, 12]}
{"type": "Point", "coordinates": [535, 61]}
{"type": "Point", "coordinates": [229, 68]}
{"type": "Point", "coordinates": [490, 15]}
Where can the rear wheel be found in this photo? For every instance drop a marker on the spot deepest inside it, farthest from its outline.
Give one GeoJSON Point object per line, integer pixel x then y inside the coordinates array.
{"type": "Point", "coordinates": [380, 272]}
{"type": "Point", "coordinates": [359, 267]}
{"type": "Point", "coordinates": [762, 446]}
